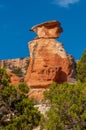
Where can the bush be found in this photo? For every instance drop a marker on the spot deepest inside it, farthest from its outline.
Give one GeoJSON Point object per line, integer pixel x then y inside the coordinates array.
{"type": "Point", "coordinates": [81, 68]}
{"type": "Point", "coordinates": [4, 78]}
{"type": "Point", "coordinates": [68, 107]}
{"type": "Point", "coordinates": [17, 111]}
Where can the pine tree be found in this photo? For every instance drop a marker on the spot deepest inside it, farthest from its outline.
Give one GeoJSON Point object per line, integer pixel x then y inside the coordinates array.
{"type": "Point", "coordinates": [81, 68]}
{"type": "Point", "coordinates": [67, 107]}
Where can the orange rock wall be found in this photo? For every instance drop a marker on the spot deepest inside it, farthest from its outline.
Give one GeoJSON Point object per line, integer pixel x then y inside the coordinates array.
{"type": "Point", "coordinates": [15, 80]}
{"type": "Point", "coordinates": [48, 62]}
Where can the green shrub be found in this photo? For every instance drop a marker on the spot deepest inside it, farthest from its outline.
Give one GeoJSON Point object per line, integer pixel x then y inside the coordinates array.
{"type": "Point", "coordinates": [67, 107]}
{"type": "Point", "coordinates": [17, 111]}
{"type": "Point", "coordinates": [81, 68]}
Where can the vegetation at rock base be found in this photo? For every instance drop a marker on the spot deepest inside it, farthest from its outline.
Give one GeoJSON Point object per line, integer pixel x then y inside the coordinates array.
{"type": "Point", "coordinates": [17, 111]}
{"type": "Point", "coordinates": [81, 68]}
{"type": "Point", "coordinates": [67, 104]}
{"type": "Point", "coordinates": [67, 107]}
{"type": "Point", "coordinates": [4, 78]}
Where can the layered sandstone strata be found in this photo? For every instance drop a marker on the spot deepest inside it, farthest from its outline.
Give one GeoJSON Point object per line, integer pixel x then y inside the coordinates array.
{"type": "Point", "coordinates": [10, 64]}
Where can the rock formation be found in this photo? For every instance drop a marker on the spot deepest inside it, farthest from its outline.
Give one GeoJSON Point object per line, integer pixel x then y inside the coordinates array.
{"type": "Point", "coordinates": [11, 64]}
{"type": "Point", "coordinates": [16, 69]}
{"type": "Point", "coordinates": [14, 79]}
{"type": "Point", "coordinates": [49, 62]}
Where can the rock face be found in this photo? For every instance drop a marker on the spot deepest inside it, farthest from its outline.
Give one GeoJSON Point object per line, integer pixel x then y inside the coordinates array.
{"type": "Point", "coordinates": [36, 93]}
{"type": "Point", "coordinates": [14, 79]}
{"type": "Point", "coordinates": [49, 61]}
{"type": "Point", "coordinates": [16, 69]}
{"type": "Point", "coordinates": [10, 64]}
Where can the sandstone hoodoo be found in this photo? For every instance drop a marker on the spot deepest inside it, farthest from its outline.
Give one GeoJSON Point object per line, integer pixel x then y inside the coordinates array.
{"type": "Point", "coordinates": [49, 62]}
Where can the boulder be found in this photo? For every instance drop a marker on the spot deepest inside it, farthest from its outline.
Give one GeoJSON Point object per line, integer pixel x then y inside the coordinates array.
{"type": "Point", "coordinates": [51, 29]}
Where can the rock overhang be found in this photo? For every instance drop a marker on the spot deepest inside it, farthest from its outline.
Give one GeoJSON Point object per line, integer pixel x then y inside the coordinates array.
{"type": "Point", "coordinates": [48, 29]}
{"type": "Point", "coordinates": [48, 24]}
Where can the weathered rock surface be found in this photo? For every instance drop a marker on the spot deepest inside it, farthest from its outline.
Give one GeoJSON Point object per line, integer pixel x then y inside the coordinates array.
{"type": "Point", "coordinates": [10, 64]}
{"type": "Point", "coordinates": [15, 80]}
{"type": "Point", "coordinates": [51, 29]}
{"type": "Point", "coordinates": [49, 61]}
{"type": "Point", "coordinates": [36, 93]}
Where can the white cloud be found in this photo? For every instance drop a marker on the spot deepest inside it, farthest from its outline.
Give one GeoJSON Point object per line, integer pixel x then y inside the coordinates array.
{"type": "Point", "coordinates": [65, 3]}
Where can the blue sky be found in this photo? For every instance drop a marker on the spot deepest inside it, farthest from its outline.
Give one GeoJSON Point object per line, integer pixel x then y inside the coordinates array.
{"type": "Point", "coordinates": [18, 16]}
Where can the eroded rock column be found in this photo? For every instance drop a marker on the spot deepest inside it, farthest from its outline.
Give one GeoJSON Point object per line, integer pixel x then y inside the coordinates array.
{"type": "Point", "coordinates": [49, 61]}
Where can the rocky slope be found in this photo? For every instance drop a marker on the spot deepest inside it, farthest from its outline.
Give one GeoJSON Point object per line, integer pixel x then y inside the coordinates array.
{"type": "Point", "coordinates": [16, 68]}
{"type": "Point", "coordinates": [10, 64]}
